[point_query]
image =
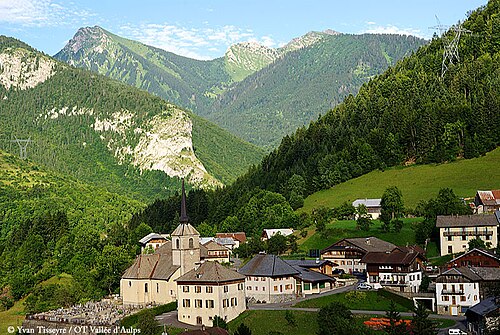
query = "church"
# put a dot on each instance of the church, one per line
(180, 270)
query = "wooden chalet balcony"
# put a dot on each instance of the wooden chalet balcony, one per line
(468, 233)
(452, 292)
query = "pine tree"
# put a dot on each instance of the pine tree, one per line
(421, 324)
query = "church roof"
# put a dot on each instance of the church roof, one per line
(184, 229)
(211, 272)
(155, 266)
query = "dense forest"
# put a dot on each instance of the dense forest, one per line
(408, 115)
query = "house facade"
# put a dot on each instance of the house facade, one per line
(210, 290)
(347, 253)
(487, 201)
(213, 251)
(152, 241)
(269, 279)
(373, 206)
(456, 231)
(457, 289)
(477, 258)
(484, 317)
(400, 269)
(312, 277)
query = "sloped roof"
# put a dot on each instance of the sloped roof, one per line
(485, 307)
(395, 257)
(213, 246)
(489, 198)
(271, 232)
(240, 236)
(367, 244)
(311, 276)
(478, 220)
(225, 240)
(204, 240)
(481, 251)
(211, 272)
(461, 271)
(155, 266)
(486, 274)
(151, 236)
(267, 266)
(184, 229)
(369, 203)
(203, 252)
(309, 263)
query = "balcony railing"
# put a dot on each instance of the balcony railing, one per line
(394, 283)
(468, 233)
(453, 292)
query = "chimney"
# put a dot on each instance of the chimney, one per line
(368, 241)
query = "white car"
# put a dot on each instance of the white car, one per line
(363, 286)
(456, 332)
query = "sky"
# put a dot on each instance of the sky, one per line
(204, 29)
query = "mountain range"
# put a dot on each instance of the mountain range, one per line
(258, 93)
(108, 133)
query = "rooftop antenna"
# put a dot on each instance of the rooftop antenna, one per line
(23, 144)
(450, 52)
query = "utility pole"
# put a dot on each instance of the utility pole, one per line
(23, 144)
(450, 52)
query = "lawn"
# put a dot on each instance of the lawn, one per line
(347, 229)
(263, 322)
(366, 300)
(417, 182)
(13, 317)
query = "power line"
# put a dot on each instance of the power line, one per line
(23, 144)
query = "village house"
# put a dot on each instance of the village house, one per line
(239, 238)
(210, 290)
(151, 242)
(311, 278)
(455, 231)
(400, 269)
(476, 257)
(268, 233)
(269, 279)
(487, 201)
(484, 317)
(213, 251)
(373, 207)
(347, 253)
(457, 289)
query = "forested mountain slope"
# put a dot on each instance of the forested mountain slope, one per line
(256, 92)
(294, 89)
(108, 133)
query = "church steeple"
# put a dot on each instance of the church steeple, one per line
(183, 218)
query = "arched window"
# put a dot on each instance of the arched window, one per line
(191, 243)
(146, 287)
(177, 244)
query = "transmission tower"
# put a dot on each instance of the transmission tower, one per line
(23, 144)
(450, 52)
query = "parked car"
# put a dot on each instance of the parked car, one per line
(363, 286)
(455, 331)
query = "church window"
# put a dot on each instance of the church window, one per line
(157, 288)
(177, 244)
(146, 287)
(129, 283)
(191, 243)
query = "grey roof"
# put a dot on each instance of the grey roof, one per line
(367, 202)
(478, 220)
(474, 273)
(311, 276)
(151, 236)
(211, 272)
(225, 240)
(487, 274)
(309, 263)
(462, 271)
(214, 246)
(155, 266)
(367, 244)
(267, 266)
(185, 229)
(485, 307)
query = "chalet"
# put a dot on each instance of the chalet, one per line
(455, 231)
(476, 257)
(239, 237)
(457, 289)
(268, 233)
(269, 279)
(210, 290)
(487, 201)
(311, 278)
(212, 251)
(400, 269)
(373, 207)
(348, 252)
(228, 242)
(484, 317)
(152, 241)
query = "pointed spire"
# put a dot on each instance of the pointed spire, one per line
(183, 218)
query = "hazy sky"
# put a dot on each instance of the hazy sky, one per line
(204, 29)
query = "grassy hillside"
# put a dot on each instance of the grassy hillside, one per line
(417, 182)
